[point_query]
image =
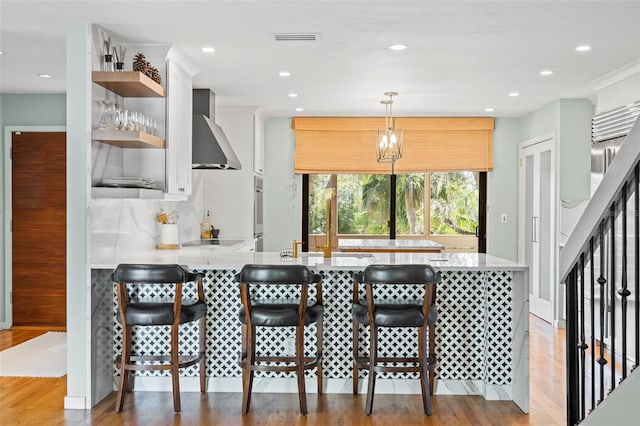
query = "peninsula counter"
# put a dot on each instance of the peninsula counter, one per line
(482, 333)
(384, 245)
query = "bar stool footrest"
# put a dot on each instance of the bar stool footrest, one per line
(184, 361)
(309, 362)
(363, 363)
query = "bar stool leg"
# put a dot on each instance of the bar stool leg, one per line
(124, 360)
(356, 337)
(432, 356)
(373, 361)
(302, 394)
(249, 337)
(175, 372)
(356, 370)
(203, 336)
(319, 337)
(424, 371)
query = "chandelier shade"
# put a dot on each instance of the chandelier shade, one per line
(389, 139)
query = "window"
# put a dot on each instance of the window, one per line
(437, 204)
(453, 203)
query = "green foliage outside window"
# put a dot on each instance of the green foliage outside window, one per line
(454, 203)
(363, 203)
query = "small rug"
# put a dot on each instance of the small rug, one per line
(42, 356)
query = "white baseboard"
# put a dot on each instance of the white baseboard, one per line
(5, 325)
(75, 403)
(338, 386)
(560, 324)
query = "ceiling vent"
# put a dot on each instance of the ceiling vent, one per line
(296, 37)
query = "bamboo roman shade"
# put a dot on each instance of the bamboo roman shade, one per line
(347, 144)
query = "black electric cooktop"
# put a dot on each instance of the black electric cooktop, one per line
(211, 242)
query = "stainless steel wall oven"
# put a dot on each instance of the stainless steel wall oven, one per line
(258, 192)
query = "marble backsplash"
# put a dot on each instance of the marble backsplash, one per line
(120, 223)
(131, 223)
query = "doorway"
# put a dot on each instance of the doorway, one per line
(37, 229)
(537, 222)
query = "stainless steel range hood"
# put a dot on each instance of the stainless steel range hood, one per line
(211, 148)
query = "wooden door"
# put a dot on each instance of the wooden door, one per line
(39, 229)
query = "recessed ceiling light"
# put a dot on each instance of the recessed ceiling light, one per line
(514, 94)
(583, 48)
(1, 52)
(488, 109)
(299, 109)
(208, 49)
(546, 72)
(397, 47)
(44, 75)
(284, 73)
(292, 95)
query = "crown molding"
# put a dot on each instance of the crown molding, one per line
(615, 76)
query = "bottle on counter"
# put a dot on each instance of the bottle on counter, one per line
(206, 227)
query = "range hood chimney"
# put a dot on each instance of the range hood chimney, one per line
(211, 148)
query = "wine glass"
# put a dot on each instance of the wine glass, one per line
(133, 121)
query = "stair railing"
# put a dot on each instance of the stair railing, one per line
(601, 279)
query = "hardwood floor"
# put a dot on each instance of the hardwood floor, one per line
(39, 401)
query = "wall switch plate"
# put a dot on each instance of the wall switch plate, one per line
(503, 218)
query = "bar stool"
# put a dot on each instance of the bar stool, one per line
(132, 312)
(279, 312)
(421, 314)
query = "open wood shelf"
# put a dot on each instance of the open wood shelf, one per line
(127, 138)
(129, 84)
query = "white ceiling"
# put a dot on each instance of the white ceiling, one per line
(462, 56)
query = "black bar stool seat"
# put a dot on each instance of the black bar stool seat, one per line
(421, 314)
(162, 313)
(279, 312)
(173, 313)
(280, 315)
(394, 314)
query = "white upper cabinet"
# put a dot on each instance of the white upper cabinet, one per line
(178, 139)
(180, 74)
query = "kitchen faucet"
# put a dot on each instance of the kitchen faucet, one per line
(326, 249)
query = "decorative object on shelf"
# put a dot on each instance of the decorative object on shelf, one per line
(107, 59)
(168, 239)
(389, 139)
(107, 115)
(142, 65)
(119, 53)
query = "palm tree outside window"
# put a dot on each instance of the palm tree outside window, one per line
(441, 206)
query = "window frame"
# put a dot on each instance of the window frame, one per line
(480, 229)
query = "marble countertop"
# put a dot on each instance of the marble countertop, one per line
(207, 257)
(379, 243)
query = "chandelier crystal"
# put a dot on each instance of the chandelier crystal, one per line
(389, 139)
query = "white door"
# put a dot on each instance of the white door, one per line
(537, 224)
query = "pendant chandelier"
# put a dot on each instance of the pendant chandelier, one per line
(389, 139)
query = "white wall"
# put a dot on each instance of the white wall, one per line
(78, 196)
(229, 193)
(282, 188)
(502, 191)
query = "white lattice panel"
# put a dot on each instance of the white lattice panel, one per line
(473, 332)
